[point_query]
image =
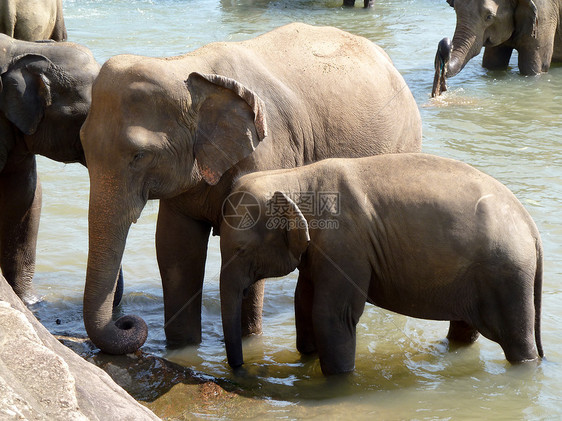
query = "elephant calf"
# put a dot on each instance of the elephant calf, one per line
(416, 234)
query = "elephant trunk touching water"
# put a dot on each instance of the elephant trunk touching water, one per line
(529, 26)
(181, 129)
(107, 243)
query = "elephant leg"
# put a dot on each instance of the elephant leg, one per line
(462, 332)
(181, 249)
(339, 301)
(304, 295)
(20, 195)
(252, 309)
(7, 18)
(496, 58)
(59, 31)
(507, 314)
(368, 3)
(535, 55)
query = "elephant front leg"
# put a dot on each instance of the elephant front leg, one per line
(339, 301)
(181, 248)
(535, 54)
(496, 58)
(20, 195)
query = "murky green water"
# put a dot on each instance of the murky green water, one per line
(504, 124)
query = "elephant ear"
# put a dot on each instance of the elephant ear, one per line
(25, 91)
(230, 122)
(296, 227)
(527, 18)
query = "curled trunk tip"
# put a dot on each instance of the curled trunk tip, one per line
(124, 336)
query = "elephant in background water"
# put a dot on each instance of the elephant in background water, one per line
(532, 27)
(33, 20)
(45, 94)
(181, 129)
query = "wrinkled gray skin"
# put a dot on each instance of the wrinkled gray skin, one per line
(32, 20)
(180, 129)
(529, 26)
(45, 94)
(416, 234)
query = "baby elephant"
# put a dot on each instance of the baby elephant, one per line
(416, 234)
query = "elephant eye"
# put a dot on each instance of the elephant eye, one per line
(140, 159)
(490, 16)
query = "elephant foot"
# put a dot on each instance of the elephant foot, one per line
(462, 332)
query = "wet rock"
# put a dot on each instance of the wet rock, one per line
(170, 390)
(41, 379)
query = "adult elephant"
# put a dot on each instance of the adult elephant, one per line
(532, 27)
(32, 20)
(45, 94)
(182, 129)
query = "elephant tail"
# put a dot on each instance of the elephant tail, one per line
(538, 299)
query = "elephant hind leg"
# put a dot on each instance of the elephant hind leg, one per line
(462, 332)
(509, 318)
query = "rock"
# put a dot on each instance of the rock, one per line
(170, 390)
(173, 391)
(41, 379)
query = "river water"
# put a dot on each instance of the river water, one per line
(502, 123)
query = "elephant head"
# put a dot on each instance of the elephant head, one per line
(47, 103)
(487, 23)
(151, 136)
(272, 247)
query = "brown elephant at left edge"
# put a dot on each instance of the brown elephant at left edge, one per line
(531, 27)
(180, 129)
(33, 20)
(45, 94)
(416, 234)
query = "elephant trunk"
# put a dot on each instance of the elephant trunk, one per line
(465, 46)
(442, 58)
(231, 311)
(107, 237)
